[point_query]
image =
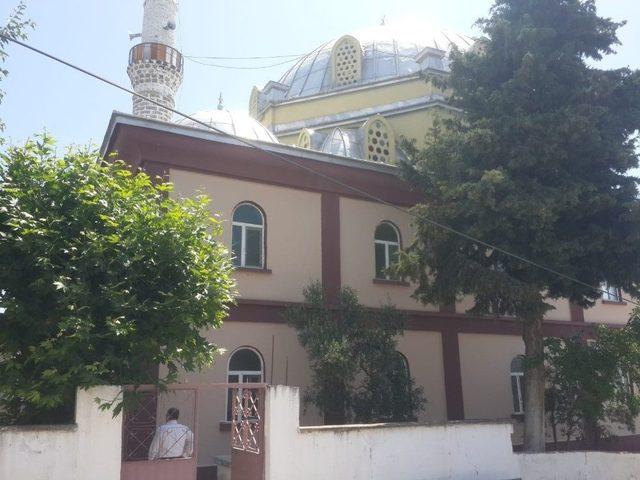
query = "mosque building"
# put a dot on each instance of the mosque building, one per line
(341, 111)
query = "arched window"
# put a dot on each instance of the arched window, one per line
(247, 237)
(403, 365)
(304, 139)
(387, 245)
(346, 61)
(517, 376)
(380, 143)
(245, 366)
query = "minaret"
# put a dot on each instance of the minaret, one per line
(155, 66)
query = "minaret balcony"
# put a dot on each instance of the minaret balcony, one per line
(147, 52)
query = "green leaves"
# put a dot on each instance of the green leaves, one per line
(593, 384)
(357, 372)
(104, 276)
(536, 163)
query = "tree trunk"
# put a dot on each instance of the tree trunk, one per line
(534, 383)
(591, 434)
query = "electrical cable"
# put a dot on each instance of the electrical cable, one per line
(324, 176)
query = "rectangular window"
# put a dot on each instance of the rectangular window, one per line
(381, 260)
(236, 245)
(253, 247)
(611, 293)
(516, 391)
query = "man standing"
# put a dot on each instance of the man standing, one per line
(172, 440)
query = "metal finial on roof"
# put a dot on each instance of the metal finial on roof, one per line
(383, 19)
(220, 105)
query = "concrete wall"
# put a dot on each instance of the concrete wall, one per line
(90, 448)
(579, 466)
(383, 451)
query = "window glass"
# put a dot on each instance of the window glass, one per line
(611, 293)
(253, 247)
(515, 392)
(246, 213)
(386, 232)
(245, 360)
(236, 244)
(380, 260)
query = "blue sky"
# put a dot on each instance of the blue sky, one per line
(94, 34)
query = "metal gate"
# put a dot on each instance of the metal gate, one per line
(143, 413)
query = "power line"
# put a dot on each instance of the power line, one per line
(236, 67)
(266, 57)
(283, 158)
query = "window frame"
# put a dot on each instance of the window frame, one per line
(241, 374)
(387, 257)
(337, 46)
(243, 237)
(519, 377)
(610, 293)
(370, 146)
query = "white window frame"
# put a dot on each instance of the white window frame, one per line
(241, 375)
(519, 376)
(611, 293)
(243, 236)
(387, 244)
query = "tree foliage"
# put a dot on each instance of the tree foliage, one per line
(592, 384)
(16, 27)
(357, 372)
(535, 163)
(103, 276)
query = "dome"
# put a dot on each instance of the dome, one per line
(234, 123)
(387, 51)
(343, 142)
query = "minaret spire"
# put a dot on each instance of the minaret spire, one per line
(155, 65)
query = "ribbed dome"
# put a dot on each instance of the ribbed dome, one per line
(387, 51)
(234, 123)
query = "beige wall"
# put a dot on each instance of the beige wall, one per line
(485, 363)
(293, 231)
(423, 351)
(358, 221)
(609, 312)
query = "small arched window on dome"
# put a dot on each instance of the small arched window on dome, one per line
(304, 139)
(346, 61)
(247, 236)
(380, 142)
(387, 246)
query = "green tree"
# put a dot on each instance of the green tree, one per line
(16, 27)
(536, 164)
(103, 276)
(593, 383)
(357, 372)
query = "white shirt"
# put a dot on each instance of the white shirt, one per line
(172, 440)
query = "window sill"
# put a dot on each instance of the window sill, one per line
(384, 281)
(252, 269)
(612, 302)
(225, 426)
(518, 417)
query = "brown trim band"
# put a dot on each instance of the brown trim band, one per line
(145, 146)
(452, 375)
(330, 246)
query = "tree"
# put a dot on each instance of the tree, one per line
(535, 164)
(103, 277)
(15, 27)
(593, 382)
(356, 370)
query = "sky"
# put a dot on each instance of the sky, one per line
(94, 34)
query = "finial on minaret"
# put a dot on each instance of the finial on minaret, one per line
(383, 20)
(220, 105)
(155, 65)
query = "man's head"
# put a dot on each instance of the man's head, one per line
(173, 413)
